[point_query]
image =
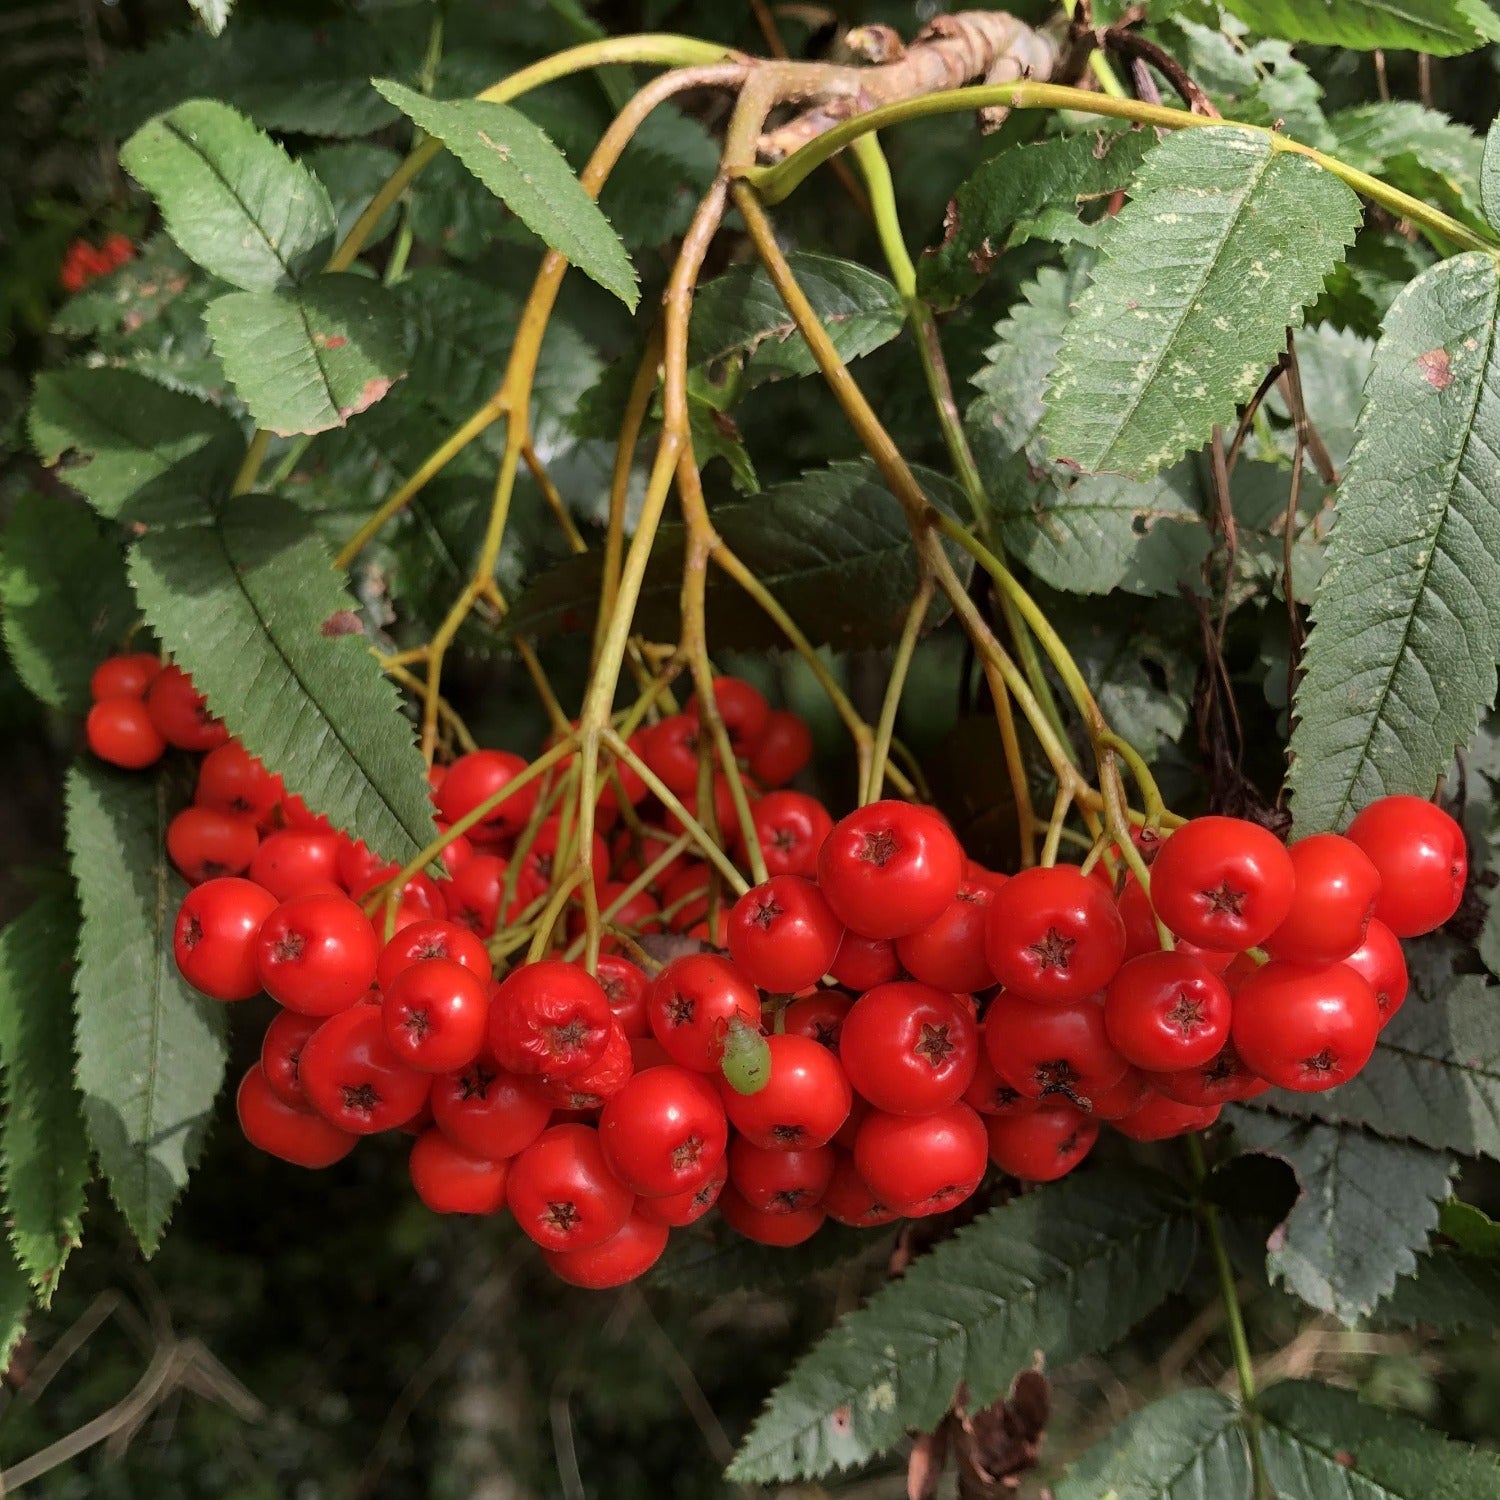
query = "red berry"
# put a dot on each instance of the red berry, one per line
(124, 676)
(861, 963)
(805, 1101)
(1044, 1145)
(1047, 1050)
(597, 1083)
(231, 780)
(950, 951)
(744, 710)
(909, 1048)
(293, 863)
(488, 1113)
(432, 938)
(923, 1164)
(664, 1133)
(476, 777)
(1337, 887)
(1159, 1118)
(351, 1076)
(819, 1017)
(435, 1015)
(786, 746)
(791, 828)
(1222, 1080)
(990, 1094)
(1053, 934)
(549, 1017)
(358, 867)
(1165, 1012)
(1305, 1027)
(889, 868)
(780, 1229)
(625, 986)
(280, 1050)
(691, 1005)
(562, 1192)
(215, 936)
(1381, 962)
(627, 1254)
(681, 1209)
(779, 1182)
(289, 1131)
(474, 892)
(1422, 859)
(316, 954)
(1122, 1098)
(671, 750)
(205, 844)
(450, 1181)
(121, 732)
(848, 1200)
(537, 865)
(180, 714)
(1141, 935)
(1223, 883)
(783, 935)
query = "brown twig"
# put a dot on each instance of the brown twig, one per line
(1137, 48)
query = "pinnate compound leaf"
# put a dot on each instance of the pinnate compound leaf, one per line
(516, 161)
(1441, 27)
(1434, 1076)
(247, 601)
(1322, 1443)
(1364, 1212)
(1417, 149)
(1067, 1270)
(1187, 1446)
(44, 1152)
(56, 630)
(1448, 1291)
(151, 1050)
(121, 440)
(1225, 241)
(232, 198)
(740, 315)
(310, 358)
(1025, 192)
(1400, 663)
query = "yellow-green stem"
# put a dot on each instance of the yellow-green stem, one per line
(916, 617)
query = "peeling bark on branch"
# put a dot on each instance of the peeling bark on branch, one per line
(950, 51)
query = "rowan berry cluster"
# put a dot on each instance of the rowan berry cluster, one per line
(83, 262)
(860, 1037)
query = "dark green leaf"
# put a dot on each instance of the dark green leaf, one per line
(1067, 1270)
(15, 1303)
(1448, 1292)
(1365, 1210)
(353, 172)
(517, 162)
(1470, 1228)
(309, 359)
(1321, 1443)
(1187, 1446)
(718, 1262)
(66, 602)
(1401, 660)
(1224, 242)
(232, 198)
(151, 1050)
(1027, 191)
(44, 1151)
(666, 169)
(832, 546)
(248, 602)
(122, 440)
(1489, 176)
(1442, 27)
(741, 316)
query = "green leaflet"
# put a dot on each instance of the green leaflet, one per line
(247, 601)
(1489, 176)
(44, 1153)
(1223, 244)
(1406, 625)
(1442, 27)
(516, 161)
(232, 198)
(1447, 1291)
(151, 1050)
(1067, 1269)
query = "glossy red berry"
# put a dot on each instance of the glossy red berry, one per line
(205, 844)
(786, 747)
(890, 868)
(1159, 1118)
(791, 827)
(626, 987)
(922, 1164)
(819, 1017)
(121, 732)
(1053, 934)
(692, 1004)
(450, 1181)
(351, 1077)
(681, 1209)
(214, 939)
(231, 780)
(1222, 1080)
(562, 1192)
(805, 1102)
(990, 1094)
(744, 710)
(779, 1182)
(861, 963)
(780, 1229)
(1305, 1027)
(180, 714)
(599, 1082)
(489, 1113)
(128, 676)
(480, 775)
(1337, 887)
(293, 863)
(665, 1132)
(848, 1200)
(783, 934)
(670, 749)
(1381, 962)
(950, 951)
(435, 1014)
(316, 954)
(474, 892)
(549, 1017)
(1043, 1145)
(290, 1131)
(1422, 859)
(432, 938)
(1165, 1012)
(1124, 1097)
(1142, 936)
(1046, 1051)
(625, 1256)
(280, 1050)
(1223, 883)
(909, 1048)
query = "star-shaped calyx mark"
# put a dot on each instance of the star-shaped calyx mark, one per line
(1186, 1015)
(934, 1045)
(1223, 899)
(878, 847)
(1053, 951)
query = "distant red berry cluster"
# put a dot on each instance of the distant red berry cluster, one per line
(84, 262)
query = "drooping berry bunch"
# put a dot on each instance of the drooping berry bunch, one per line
(859, 1037)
